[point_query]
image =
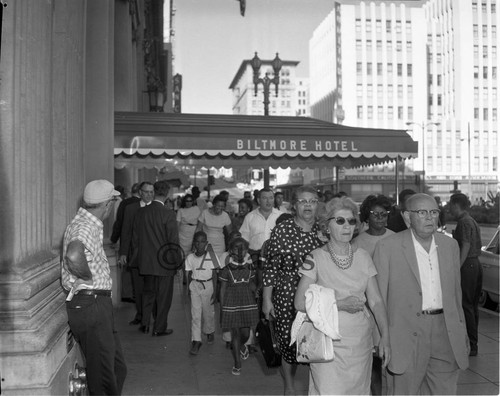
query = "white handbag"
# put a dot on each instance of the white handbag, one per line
(313, 346)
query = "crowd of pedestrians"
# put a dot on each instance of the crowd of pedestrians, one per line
(399, 301)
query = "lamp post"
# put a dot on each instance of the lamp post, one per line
(266, 81)
(423, 125)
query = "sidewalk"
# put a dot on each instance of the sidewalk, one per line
(162, 365)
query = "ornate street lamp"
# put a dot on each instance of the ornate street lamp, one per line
(266, 81)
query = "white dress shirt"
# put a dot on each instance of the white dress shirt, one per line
(256, 229)
(430, 281)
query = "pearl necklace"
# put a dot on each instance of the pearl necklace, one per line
(342, 263)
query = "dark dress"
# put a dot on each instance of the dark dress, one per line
(287, 248)
(239, 308)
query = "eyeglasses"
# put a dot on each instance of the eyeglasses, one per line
(305, 201)
(341, 220)
(189, 201)
(423, 213)
(380, 215)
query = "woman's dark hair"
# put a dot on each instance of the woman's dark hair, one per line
(303, 189)
(247, 202)
(218, 198)
(184, 198)
(370, 202)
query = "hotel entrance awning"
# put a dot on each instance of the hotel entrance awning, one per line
(254, 141)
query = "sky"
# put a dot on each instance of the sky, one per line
(212, 39)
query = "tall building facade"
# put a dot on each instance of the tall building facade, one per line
(426, 66)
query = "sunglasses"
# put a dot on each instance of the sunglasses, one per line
(379, 215)
(341, 220)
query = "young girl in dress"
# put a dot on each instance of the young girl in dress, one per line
(239, 307)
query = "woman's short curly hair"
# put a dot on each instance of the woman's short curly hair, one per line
(370, 202)
(301, 190)
(336, 204)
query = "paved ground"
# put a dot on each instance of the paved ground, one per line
(163, 366)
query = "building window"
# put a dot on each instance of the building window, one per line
(408, 28)
(494, 72)
(493, 114)
(388, 28)
(389, 68)
(359, 68)
(390, 91)
(493, 31)
(399, 46)
(398, 26)
(410, 113)
(485, 71)
(368, 27)
(439, 100)
(369, 90)
(408, 46)
(380, 112)
(430, 100)
(400, 112)
(358, 45)
(476, 113)
(390, 113)
(359, 90)
(400, 69)
(494, 94)
(476, 51)
(483, 7)
(476, 71)
(475, 29)
(485, 114)
(494, 165)
(360, 112)
(409, 69)
(358, 25)
(485, 51)
(389, 46)
(485, 31)
(379, 45)
(369, 69)
(439, 79)
(378, 25)
(476, 93)
(400, 91)
(380, 91)
(493, 8)
(379, 69)
(370, 112)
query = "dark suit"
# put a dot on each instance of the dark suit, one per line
(430, 347)
(120, 215)
(130, 211)
(154, 226)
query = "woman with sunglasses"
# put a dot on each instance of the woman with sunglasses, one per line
(290, 242)
(351, 273)
(374, 212)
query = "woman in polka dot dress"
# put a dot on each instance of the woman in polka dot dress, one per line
(290, 242)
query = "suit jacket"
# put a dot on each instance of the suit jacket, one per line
(126, 234)
(120, 215)
(154, 226)
(399, 283)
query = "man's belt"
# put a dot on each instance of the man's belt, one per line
(94, 292)
(433, 311)
(202, 281)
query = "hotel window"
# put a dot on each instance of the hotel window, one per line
(380, 91)
(408, 46)
(483, 7)
(359, 90)
(475, 30)
(369, 69)
(409, 70)
(389, 68)
(399, 46)
(485, 114)
(360, 112)
(358, 45)
(359, 68)
(369, 90)
(409, 90)
(379, 69)
(368, 25)
(448, 164)
(476, 164)
(476, 51)
(494, 93)
(494, 72)
(370, 112)
(493, 114)
(485, 94)
(485, 51)
(388, 27)
(410, 113)
(485, 30)
(476, 71)
(493, 31)
(493, 8)
(476, 113)
(439, 80)
(400, 69)
(378, 25)
(400, 91)
(439, 100)
(476, 93)
(358, 25)
(398, 26)
(380, 112)
(390, 113)
(400, 112)
(389, 46)
(494, 165)
(379, 44)
(485, 71)
(390, 91)
(494, 51)
(408, 28)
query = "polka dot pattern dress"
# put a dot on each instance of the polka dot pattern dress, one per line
(288, 246)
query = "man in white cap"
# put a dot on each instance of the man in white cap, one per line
(85, 274)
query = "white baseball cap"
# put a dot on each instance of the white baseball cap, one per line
(98, 191)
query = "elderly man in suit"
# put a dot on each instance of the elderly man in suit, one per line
(154, 226)
(419, 279)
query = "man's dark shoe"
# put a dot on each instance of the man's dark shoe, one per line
(210, 338)
(195, 347)
(134, 322)
(144, 329)
(162, 333)
(128, 300)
